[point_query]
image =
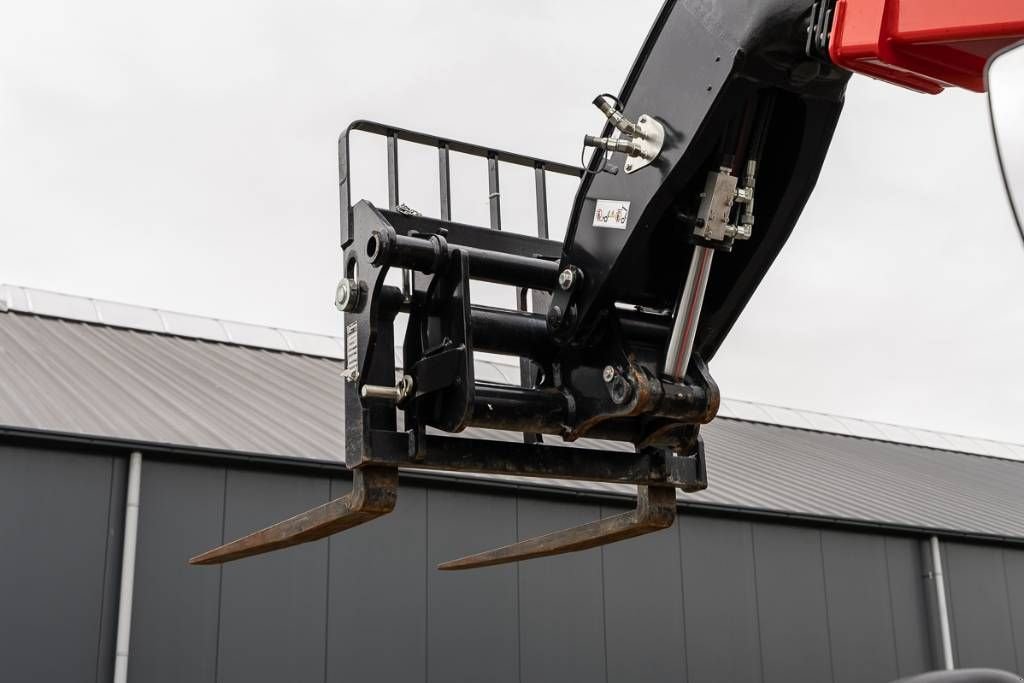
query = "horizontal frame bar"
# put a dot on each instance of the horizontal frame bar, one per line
(515, 458)
(476, 237)
(463, 147)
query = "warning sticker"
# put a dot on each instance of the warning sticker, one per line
(352, 346)
(611, 213)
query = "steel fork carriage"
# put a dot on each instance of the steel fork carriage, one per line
(606, 386)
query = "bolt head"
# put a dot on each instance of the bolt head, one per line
(343, 294)
(346, 297)
(566, 279)
(555, 316)
(620, 391)
(609, 373)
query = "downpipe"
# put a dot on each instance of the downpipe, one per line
(943, 609)
(124, 603)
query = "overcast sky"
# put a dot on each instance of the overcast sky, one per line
(182, 155)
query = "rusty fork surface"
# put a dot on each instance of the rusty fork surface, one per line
(373, 494)
(655, 510)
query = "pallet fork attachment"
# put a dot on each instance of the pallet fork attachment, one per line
(612, 327)
(612, 330)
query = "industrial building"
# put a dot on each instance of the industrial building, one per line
(811, 557)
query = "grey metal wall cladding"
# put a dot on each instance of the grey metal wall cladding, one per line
(561, 606)
(273, 609)
(377, 597)
(985, 585)
(88, 379)
(644, 608)
(176, 609)
(1013, 562)
(910, 597)
(791, 605)
(472, 617)
(713, 599)
(723, 642)
(60, 548)
(859, 607)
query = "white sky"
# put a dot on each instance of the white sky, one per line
(182, 155)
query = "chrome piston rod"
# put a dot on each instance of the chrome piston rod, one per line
(684, 327)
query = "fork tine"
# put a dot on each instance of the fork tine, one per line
(655, 509)
(373, 494)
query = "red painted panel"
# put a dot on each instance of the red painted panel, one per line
(924, 45)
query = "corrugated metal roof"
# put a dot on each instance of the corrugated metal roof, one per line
(94, 379)
(144, 318)
(128, 316)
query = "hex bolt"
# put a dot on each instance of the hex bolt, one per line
(346, 297)
(619, 387)
(566, 279)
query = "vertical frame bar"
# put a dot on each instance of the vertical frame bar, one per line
(344, 189)
(393, 171)
(394, 201)
(541, 184)
(527, 368)
(494, 190)
(445, 173)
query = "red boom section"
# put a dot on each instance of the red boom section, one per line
(924, 45)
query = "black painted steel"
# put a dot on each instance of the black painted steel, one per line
(730, 55)
(474, 236)
(591, 355)
(393, 198)
(445, 181)
(494, 191)
(503, 406)
(541, 192)
(386, 247)
(511, 332)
